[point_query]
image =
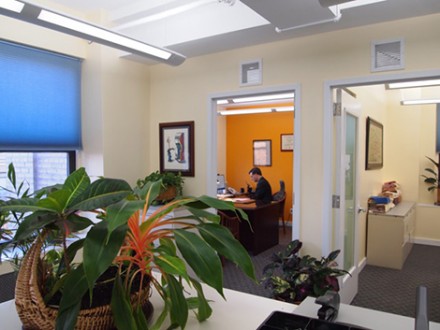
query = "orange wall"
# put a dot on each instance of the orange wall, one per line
(241, 130)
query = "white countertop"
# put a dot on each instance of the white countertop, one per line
(240, 311)
(246, 312)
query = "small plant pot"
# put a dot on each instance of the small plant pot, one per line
(169, 194)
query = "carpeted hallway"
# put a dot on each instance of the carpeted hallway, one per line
(394, 291)
(383, 289)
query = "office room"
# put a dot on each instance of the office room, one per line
(124, 101)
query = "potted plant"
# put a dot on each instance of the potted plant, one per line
(292, 278)
(172, 185)
(120, 252)
(9, 221)
(433, 179)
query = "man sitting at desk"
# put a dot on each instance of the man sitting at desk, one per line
(263, 191)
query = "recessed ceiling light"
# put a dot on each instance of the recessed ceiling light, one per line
(254, 111)
(420, 102)
(411, 84)
(264, 98)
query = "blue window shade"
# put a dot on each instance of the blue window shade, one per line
(40, 99)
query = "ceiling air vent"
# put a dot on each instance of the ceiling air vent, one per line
(387, 55)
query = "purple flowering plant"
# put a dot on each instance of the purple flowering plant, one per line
(292, 278)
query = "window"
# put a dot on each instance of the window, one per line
(40, 111)
(35, 169)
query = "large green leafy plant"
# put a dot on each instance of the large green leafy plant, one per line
(292, 278)
(432, 178)
(123, 238)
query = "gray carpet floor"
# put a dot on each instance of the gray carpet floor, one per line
(383, 289)
(394, 291)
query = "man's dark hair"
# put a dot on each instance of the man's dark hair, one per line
(255, 170)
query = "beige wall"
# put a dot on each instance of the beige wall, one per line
(307, 61)
(124, 102)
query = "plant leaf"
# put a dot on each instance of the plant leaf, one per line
(139, 316)
(99, 252)
(204, 310)
(71, 251)
(119, 213)
(34, 222)
(178, 304)
(121, 307)
(100, 194)
(77, 223)
(11, 175)
(24, 205)
(221, 239)
(76, 184)
(74, 289)
(66, 320)
(201, 257)
(171, 265)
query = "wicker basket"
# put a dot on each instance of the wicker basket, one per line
(33, 312)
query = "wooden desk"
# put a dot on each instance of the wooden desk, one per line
(261, 233)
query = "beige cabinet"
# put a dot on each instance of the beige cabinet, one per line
(390, 236)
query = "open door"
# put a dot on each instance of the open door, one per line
(345, 189)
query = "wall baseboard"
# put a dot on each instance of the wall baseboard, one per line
(426, 241)
(362, 264)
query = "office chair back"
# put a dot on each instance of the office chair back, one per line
(280, 197)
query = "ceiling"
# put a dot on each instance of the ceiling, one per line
(214, 25)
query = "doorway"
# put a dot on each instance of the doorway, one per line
(330, 227)
(213, 154)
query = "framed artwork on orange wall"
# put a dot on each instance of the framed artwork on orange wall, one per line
(286, 142)
(262, 152)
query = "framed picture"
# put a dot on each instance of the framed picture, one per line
(374, 147)
(177, 147)
(286, 142)
(262, 152)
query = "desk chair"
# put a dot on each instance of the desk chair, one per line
(280, 197)
(232, 222)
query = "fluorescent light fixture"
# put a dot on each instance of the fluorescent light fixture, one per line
(420, 102)
(345, 4)
(15, 6)
(72, 26)
(357, 3)
(264, 98)
(164, 14)
(97, 32)
(253, 111)
(411, 84)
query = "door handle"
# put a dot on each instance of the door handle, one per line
(361, 209)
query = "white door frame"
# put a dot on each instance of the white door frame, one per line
(328, 136)
(352, 107)
(211, 152)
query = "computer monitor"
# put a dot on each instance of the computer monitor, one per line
(221, 183)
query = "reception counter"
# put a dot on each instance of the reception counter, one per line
(239, 311)
(247, 312)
